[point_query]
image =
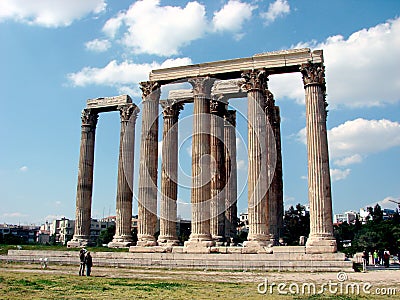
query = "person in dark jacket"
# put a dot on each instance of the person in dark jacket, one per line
(82, 262)
(89, 263)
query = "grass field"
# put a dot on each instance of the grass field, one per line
(30, 282)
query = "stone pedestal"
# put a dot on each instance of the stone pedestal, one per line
(321, 239)
(200, 193)
(169, 177)
(85, 180)
(217, 222)
(123, 222)
(147, 196)
(255, 85)
(231, 174)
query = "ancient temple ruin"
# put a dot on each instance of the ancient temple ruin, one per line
(213, 191)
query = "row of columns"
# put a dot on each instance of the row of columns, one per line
(208, 195)
(123, 235)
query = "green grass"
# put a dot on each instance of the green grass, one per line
(42, 285)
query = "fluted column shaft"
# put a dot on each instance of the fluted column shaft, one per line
(85, 178)
(147, 196)
(230, 173)
(217, 221)
(319, 184)
(201, 193)
(277, 181)
(169, 176)
(123, 222)
(255, 84)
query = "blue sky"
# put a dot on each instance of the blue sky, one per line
(56, 54)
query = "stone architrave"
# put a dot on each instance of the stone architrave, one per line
(231, 174)
(217, 209)
(85, 180)
(147, 196)
(123, 222)
(255, 84)
(169, 176)
(321, 239)
(200, 238)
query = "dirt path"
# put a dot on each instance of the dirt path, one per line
(375, 278)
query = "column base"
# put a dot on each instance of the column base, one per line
(198, 246)
(317, 245)
(219, 240)
(168, 241)
(79, 242)
(260, 247)
(146, 241)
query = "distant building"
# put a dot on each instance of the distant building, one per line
(349, 217)
(26, 234)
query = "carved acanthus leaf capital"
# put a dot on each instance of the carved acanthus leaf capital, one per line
(128, 112)
(217, 107)
(150, 90)
(171, 109)
(254, 80)
(89, 118)
(202, 85)
(313, 74)
(230, 117)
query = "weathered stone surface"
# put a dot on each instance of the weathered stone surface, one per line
(104, 102)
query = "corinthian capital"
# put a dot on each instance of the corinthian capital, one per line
(313, 74)
(89, 118)
(150, 90)
(202, 85)
(254, 80)
(230, 118)
(171, 109)
(128, 112)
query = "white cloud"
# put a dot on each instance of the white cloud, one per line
(49, 13)
(337, 174)
(123, 76)
(279, 8)
(361, 71)
(50, 218)
(349, 160)
(14, 215)
(160, 30)
(241, 164)
(362, 137)
(351, 141)
(97, 45)
(232, 16)
(24, 169)
(386, 203)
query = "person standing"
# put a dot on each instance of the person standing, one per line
(89, 263)
(82, 262)
(376, 258)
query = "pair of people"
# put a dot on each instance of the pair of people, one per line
(85, 261)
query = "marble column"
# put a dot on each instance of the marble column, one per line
(255, 83)
(123, 222)
(169, 177)
(321, 238)
(275, 193)
(231, 174)
(217, 209)
(200, 237)
(147, 196)
(278, 178)
(85, 180)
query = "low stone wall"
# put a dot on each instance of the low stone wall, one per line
(291, 259)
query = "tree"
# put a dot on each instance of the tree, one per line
(106, 236)
(296, 223)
